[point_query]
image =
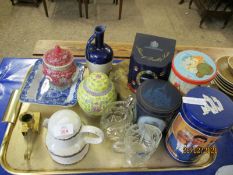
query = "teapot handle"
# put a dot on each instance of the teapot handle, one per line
(92, 130)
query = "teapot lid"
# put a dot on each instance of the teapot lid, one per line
(97, 82)
(64, 124)
(58, 57)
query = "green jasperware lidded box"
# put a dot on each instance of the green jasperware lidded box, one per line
(95, 92)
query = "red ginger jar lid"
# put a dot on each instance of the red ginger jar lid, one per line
(58, 57)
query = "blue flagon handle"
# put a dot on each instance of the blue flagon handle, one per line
(89, 42)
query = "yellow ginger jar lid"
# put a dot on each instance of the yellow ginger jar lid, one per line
(97, 82)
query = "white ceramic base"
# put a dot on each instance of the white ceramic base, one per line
(71, 160)
(104, 68)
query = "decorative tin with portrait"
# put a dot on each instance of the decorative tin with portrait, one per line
(204, 116)
(150, 59)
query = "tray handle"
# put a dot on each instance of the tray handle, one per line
(13, 108)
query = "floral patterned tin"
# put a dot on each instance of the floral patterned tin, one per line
(58, 67)
(191, 68)
(95, 93)
(157, 102)
(204, 116)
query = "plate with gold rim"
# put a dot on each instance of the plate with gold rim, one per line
(223, 70)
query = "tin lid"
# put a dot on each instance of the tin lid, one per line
(58, 57)
(158, 97)
(97, 82)
(153, 51)
(194, 67)
(215, 116)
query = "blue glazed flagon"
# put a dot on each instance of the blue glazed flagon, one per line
(98, 54)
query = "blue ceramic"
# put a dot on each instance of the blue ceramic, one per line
(157, 99)
(98, 54)
(38, 89)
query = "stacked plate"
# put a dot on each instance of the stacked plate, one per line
(224, 78)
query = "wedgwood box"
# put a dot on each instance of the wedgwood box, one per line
(150, 59)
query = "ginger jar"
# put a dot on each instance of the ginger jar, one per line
(95, 93)
(59, 67)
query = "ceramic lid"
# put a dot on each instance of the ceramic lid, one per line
(158, 96)
(214, 116)
(97, 82)
(58, 57)
(64, 124)
(194, 67)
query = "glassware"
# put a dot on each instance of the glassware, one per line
(141, 141)
(116, 118)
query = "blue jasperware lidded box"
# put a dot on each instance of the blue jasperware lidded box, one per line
(151, 58)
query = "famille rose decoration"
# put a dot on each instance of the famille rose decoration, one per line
(58, 67)
(95, 93)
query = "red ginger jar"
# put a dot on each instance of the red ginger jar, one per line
(58, 67)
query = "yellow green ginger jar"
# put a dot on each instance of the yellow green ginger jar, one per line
(95, 92)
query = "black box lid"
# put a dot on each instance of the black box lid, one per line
(152, 50)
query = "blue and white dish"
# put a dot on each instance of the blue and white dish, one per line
(38, 89)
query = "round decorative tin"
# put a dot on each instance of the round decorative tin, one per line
(157, 102)
(204, 116)
(191, 68)
(95, 93)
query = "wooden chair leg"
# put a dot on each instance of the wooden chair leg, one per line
(181, 2)
(202, 20)
(190, 3)
(45, 8)
(226, 22)
(12, 2)
(120, 9)
(86, 7)
(36, 3)
(80, 8)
